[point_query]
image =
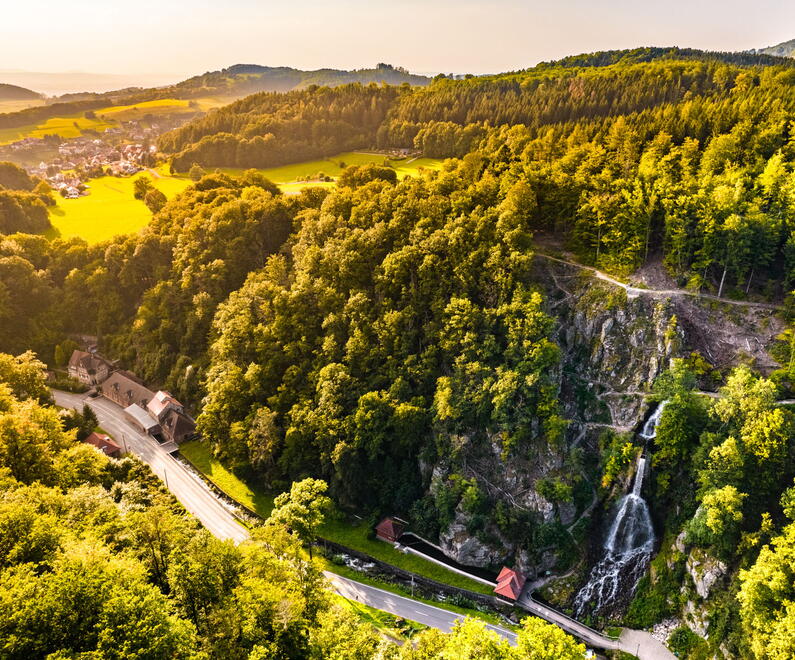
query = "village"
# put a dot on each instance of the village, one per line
(67, 164)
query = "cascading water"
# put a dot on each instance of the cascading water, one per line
(628, 545)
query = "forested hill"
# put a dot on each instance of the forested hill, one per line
(244, 79)
(15, 93)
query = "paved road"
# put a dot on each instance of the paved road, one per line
(407, 608)
(189, 489)
(197, 498)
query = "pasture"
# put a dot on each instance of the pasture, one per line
(139, 110)
(289, 177)
(109, 209)
(16, 106)
(70, 126)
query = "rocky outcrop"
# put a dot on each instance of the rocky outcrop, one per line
(705, 571)
(612, 350)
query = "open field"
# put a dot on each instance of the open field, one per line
(288, 176)
(139, 110)
(109, 210)
(69, 126)
(16, 106)
(351, 535)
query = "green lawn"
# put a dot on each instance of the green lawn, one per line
(199, 454)
(109, 209)
(342, 531)
(69, 126)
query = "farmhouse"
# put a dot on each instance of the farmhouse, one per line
(509, 583)
(105, 444)
(88, 368)
(122, 389)
(170, 414)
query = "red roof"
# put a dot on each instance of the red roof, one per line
(509, 583)
(389, 529)
(103, 442)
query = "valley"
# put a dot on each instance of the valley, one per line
(512, 352)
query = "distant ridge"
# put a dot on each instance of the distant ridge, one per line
(244, 79)
(15, 93)
(784, 49)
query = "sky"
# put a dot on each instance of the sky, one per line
(176, 38)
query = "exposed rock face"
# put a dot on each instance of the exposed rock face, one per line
(696, 619)
(705, 571)
(466, 549)
(612, 349)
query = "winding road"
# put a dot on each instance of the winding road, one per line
(196, 497)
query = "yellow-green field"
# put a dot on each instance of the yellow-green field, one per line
(71, 126)
(288, 176)
(109, 209)
(67, 127)
(139, 110)
(16, 106)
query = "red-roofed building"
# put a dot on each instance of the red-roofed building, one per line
(389, 530)
(103, 442)
(509, 583)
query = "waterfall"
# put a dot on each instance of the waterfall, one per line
(627, 547)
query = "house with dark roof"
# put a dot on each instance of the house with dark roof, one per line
(509, 583)
(389, 530)
(175, 424)
(88, 368)
(125, 391)
(104, 444)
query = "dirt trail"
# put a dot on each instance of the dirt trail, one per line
(640, 291)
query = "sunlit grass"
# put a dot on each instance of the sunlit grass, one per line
(109, 210)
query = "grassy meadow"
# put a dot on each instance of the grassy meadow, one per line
(70, 126)
(109, 209)
(288, 177)
(16, 106)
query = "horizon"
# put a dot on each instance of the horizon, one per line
(171, 41)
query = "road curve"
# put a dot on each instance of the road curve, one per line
(435, 617)
(188, 488)
(198, 499)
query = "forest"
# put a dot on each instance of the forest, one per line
(98, 560)
(369, 334)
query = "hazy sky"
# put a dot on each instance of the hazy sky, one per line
(183, 37)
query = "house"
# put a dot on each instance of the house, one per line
(88, 368)
(389, 530)
(123, 390)
(105, 444)
(509, 583)
(175, 424)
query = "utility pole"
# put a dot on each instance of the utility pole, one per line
(165, 476)
(124, 442)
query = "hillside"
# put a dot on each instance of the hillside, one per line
(580, 322)
(784, 49)
(15, 93)
(244, 79)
